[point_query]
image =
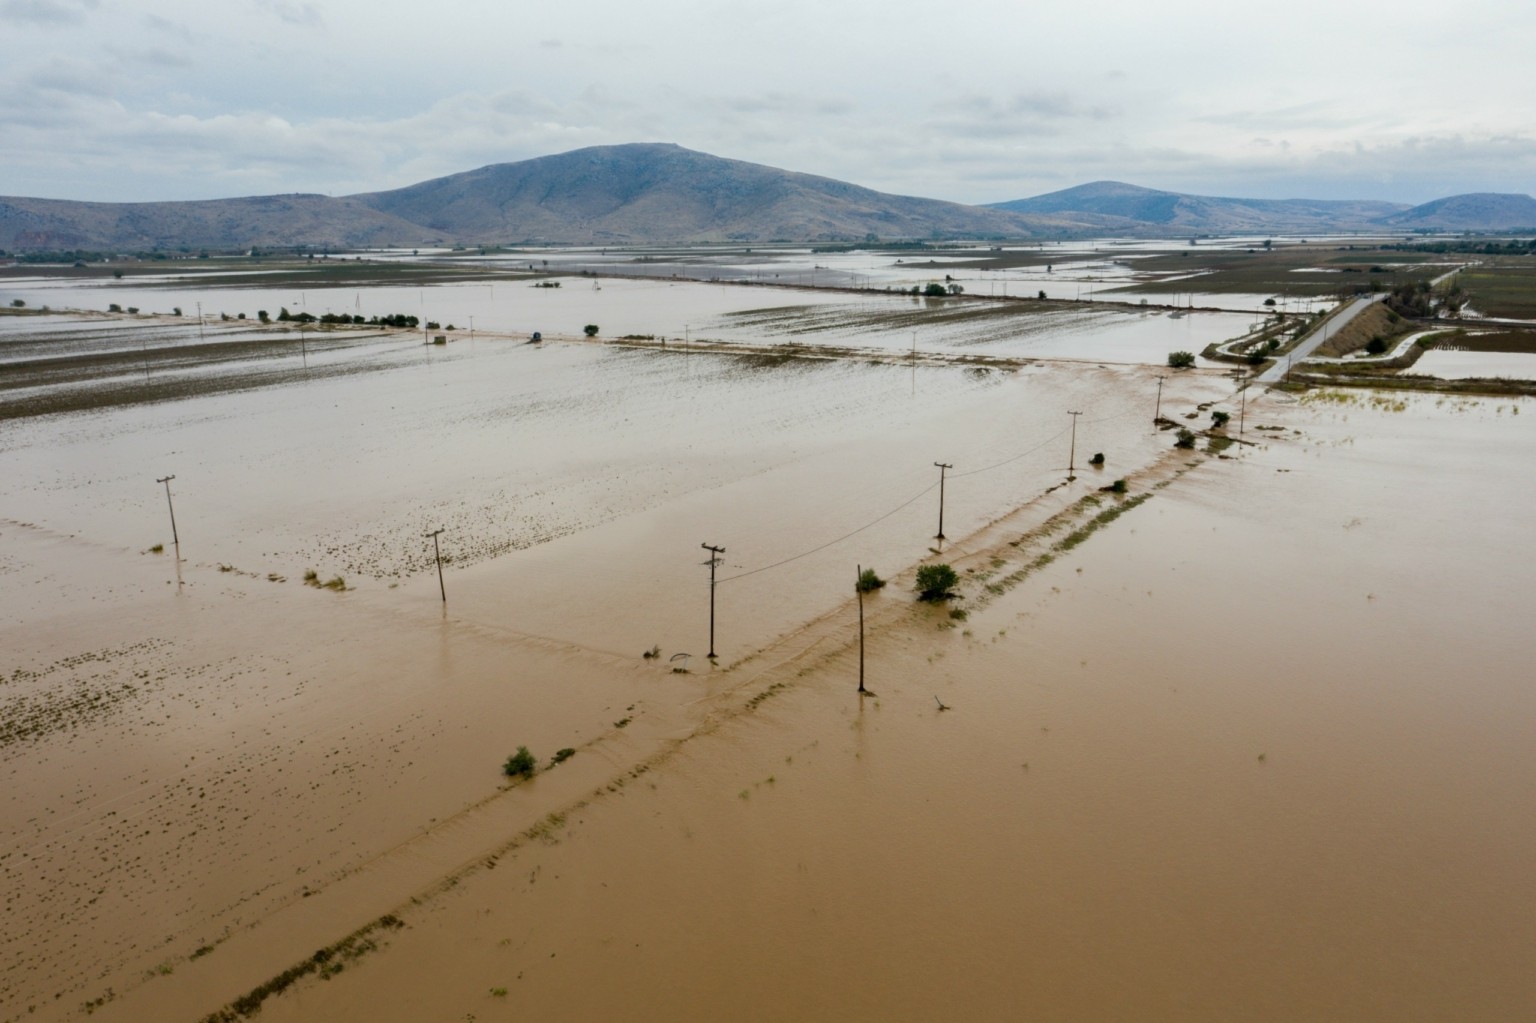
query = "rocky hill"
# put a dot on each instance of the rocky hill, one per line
(660, 193)
(1476, 211)
(221, 224)
(1138, 209)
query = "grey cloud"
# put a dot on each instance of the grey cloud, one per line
(71, 78)
(303, 13)
(156, 56)
(46, 12)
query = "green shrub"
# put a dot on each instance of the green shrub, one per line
(520, 764)
(1186, 439)
(1117, 487)
(1181, 360)
(1097, 459)
(934, 582)
(868, 581)
(934, 290)
(561, 756)
(590, 330)
(1376, 346)
(1220, 418)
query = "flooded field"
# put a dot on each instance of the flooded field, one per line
(1239, 717)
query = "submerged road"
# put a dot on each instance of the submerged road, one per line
(1332, 325)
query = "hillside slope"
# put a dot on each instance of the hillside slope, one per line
(1177, 213)
(271, 220)
(647, 192)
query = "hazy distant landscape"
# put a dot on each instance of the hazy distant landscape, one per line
(651, 194)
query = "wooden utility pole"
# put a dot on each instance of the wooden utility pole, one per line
(174, 538)
(1242, 414)
(1072, 454)
(1157, 412)
(713, 562)
(438, 554)
(858, 587)
(943, 468)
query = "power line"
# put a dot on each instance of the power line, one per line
(816, 550)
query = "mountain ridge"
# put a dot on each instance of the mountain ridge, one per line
(658, 193)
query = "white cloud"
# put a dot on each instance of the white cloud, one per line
(988, 100)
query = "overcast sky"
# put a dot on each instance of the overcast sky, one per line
(968, 100)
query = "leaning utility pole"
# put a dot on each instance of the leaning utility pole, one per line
(713, 562)
(943, 468)
(174, 538)
(438, 554)
(1157, 412)
(1072, 455)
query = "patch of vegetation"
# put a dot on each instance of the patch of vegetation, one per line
(521, 764)
(935, 582)
(590, 330)
(1097, 459)
(327, 962)
(868, 581)
(561, 756)
(757, 700)
(1186, 439)
(1181, 360)
(1219, 419)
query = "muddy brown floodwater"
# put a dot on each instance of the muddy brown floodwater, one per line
(1250, 742)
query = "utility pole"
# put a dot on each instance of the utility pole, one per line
(943, 468)
(1157, 412)
(714, 560)
(859, 589)
(174, 538)
(1242, 414)
(438, 554)
(200, 335)
(303, 346)
(1072, 455)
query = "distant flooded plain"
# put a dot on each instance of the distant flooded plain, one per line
(1241, 742)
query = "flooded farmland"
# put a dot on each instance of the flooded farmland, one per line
(1246, 740)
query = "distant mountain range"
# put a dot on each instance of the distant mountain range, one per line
(1134, 209)
(658, 193)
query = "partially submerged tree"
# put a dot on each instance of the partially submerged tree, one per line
(934, 582)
